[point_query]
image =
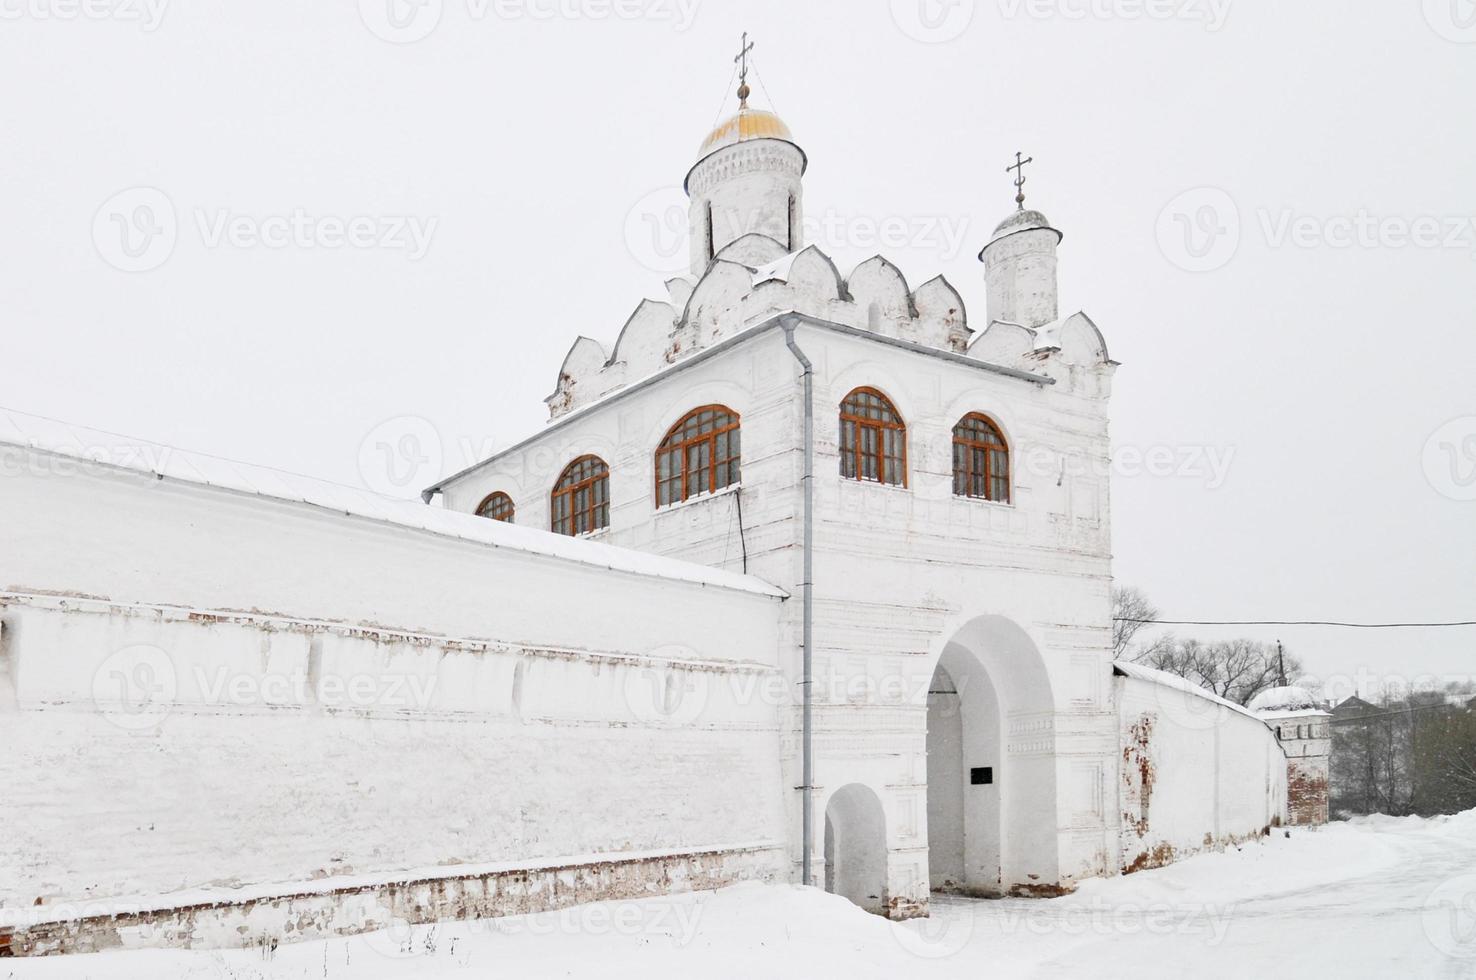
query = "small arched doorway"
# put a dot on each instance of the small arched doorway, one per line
(856, 847)
(992, 821)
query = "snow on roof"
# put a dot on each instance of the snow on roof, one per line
(1165, 679)
(1283, 699)
(778, 269)
(124, 452)
(1299, 713)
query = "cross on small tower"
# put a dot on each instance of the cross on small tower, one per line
(741, 59)
(1019, 167)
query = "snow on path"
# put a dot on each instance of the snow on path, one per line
(1373, 898)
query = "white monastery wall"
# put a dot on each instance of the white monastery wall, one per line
(1198, 773)
(207, 694)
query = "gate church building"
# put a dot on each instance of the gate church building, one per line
(932, 498)
(807, 578)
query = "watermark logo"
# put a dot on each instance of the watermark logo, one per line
(400, 456)
(1365, 230)
(675, 920)
(399, 940)
(1449, 459)
(408, 21)
(400, 21)
(1188, 707)
(933, 21)
(667, 692)
(1449, 917)
(945, 931)
(1454, 20)
(358, 691)
(1207, 464)
(1199, 231)
(656, 231)
(147, 14)
(135, 687)
(84, 458)
(410, 234)
(1098, 917)
(135, 230)
(1211, 13)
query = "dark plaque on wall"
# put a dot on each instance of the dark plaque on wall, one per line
(981, 775)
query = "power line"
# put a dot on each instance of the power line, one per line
(1390, 713)
(1289, 622)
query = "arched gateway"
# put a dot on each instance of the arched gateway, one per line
(856, 847)
(991, 812)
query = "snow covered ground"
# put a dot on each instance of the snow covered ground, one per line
(1373, 898)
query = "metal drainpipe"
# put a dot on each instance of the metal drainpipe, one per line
(807, 751)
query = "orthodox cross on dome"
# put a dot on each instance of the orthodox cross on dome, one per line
(741, 60)
(1019, 168)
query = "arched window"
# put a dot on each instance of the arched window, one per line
(581, 499)
(873, 439)
(981, 459)
(498, 506)
(699, 455)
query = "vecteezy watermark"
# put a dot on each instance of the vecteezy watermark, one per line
(1101, 918)
(657, 234)
(1364, 230)
(656, 231)
(408, 21)
(1200, 230)
(137, 229)
(1449, 459)
(410, 234)
(1454, 20)
(400, 21)
(135, 687)
(675, 919)
(1204, 463)
(22, 461)
(932, 21)
(400, 456)
(945, 931)
(1210, 13)
(138, 686)
(360, 690)
(147, 14)
(671, 690)
(1449, 917)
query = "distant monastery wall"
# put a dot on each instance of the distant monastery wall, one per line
(1198, 773)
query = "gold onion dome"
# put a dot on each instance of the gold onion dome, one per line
(745, 124)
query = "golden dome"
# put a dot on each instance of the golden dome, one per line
(746, 124)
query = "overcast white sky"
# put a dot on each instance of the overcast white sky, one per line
(527, 141)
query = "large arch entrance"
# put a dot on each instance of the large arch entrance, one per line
(856, 847)
(992, 822)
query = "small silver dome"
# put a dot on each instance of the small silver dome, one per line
(1022, 221)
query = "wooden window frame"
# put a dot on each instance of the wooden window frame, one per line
(672, 445)
(595, 513)
(497, 506)
(880, 427)
(969, 474)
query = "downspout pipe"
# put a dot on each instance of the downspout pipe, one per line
(807, 485)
